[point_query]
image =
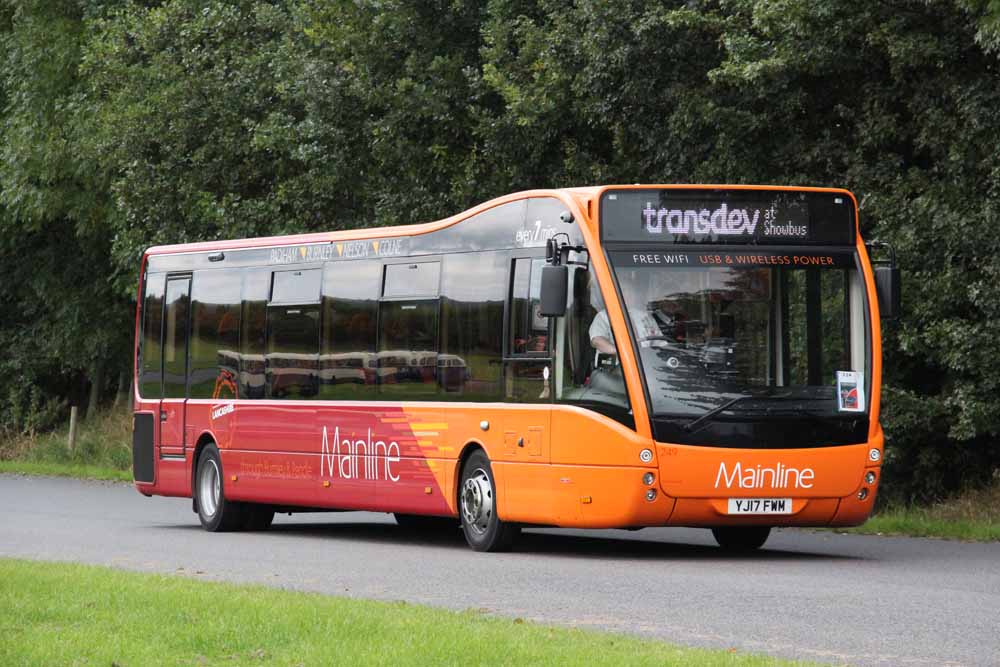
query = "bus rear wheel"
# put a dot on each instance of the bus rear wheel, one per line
(215, 512)
(741, 538)
(484, 530)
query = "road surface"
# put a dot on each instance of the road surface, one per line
(819, 596)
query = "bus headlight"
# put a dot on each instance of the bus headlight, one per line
(648, 478)
(862, 494)
(651, 495)
(870, 477)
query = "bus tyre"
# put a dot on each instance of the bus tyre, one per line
(216, 513)
(741, 538)
(422, 522)
(484, 530)
(257, 517)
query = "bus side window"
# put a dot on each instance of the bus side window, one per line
(348, 364)
(176, 316)
(215, 333)
(528, 369)
(472, 294)
(253, 333)
(408, 331)
(151, 369)
(293, 322)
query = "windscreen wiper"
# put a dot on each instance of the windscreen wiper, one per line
(725, 406)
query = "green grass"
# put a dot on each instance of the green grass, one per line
(65, 470)
(58, 614)
(973, 515)
(103, 449)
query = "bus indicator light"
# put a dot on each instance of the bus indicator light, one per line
(646, 455)
(875, 455)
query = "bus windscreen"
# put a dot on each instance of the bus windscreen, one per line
(747, 336)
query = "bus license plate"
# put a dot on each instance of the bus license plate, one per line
(760, 506)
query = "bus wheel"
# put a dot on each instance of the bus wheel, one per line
(216, 513)
(257, 517)
(484, 531)
(741, 538)
(421, 522)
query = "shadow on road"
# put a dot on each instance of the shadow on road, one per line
(540, 541)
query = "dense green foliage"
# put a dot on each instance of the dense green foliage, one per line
(126, 124)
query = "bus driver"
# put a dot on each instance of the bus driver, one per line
(600, 329)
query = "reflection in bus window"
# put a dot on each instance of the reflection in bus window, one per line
(215, 331)
(175, 337)
(151, 378)
(471, 320)
(253, 333)
(292, 351)
(584, 377)
(348, 364)
(407, 350)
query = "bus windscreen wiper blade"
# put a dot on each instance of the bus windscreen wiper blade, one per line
(714, 411)
(725, 406)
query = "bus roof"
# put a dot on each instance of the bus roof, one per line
(582, 195)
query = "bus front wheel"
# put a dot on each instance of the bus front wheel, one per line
(215, 512)
(741, 538)
(484, 530)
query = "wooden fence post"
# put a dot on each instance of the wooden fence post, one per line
(72, 428)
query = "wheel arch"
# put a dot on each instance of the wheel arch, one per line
(204, 440)
(470, 447)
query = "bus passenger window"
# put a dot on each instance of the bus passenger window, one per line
(529, 330)
(215, 331)
(472, 294)
(407, 350)
(175, 337)
(253, 339)
(151, 378)
(528, 373)
(293, 321)
(348, 363)
(408, 332)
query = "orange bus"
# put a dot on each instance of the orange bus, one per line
(615, 356)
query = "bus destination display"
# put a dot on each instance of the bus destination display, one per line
(727, 216)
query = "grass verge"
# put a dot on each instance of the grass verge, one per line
(73, 614)
(973, 515)
(65, 470)
(103, 450)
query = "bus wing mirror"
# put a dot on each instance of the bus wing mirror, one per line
(888, 289)
(555, 280)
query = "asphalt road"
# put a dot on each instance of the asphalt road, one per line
(808, 595)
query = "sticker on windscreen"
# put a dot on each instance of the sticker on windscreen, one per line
(850, 391)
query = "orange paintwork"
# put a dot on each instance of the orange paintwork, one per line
(576, 468)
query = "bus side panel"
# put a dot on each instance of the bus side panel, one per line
(580, 496)
(346, 457)
(588, 438)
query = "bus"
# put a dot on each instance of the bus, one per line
(598, 357)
